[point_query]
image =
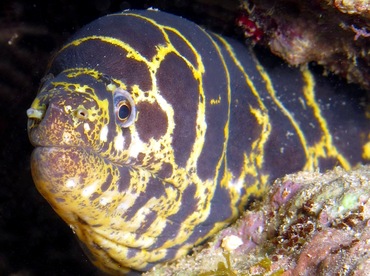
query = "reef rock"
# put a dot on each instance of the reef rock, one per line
(308, 224)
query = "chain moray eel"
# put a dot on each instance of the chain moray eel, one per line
(151, 134)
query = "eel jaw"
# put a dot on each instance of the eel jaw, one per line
(77, 184)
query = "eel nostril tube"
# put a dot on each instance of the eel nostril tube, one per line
(37, 114)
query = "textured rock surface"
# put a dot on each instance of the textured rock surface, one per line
(333, 33)
(308, 224)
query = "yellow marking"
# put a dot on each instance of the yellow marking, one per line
(253, 162)
(215, 101)
(257, 153)
(366, 150)
(131, 52)
(204, 189)
(325, 147)
(197, 73)
(78, 71)
(36, 105)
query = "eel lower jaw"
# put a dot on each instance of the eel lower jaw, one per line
(71, 180)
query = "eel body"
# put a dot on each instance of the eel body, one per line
(152, 134)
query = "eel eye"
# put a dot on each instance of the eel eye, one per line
(124, 111)
(124, 108)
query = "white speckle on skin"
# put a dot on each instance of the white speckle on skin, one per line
(70, 183)
(89, 190)
(67, 109)
(288, 134)
(303, 103)
(126, 204)
(86, 127)
(66, 137)
(136, 147)
(123, 207)
(119, 142)
(104, 133)
(104, 201)
(237, 185)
